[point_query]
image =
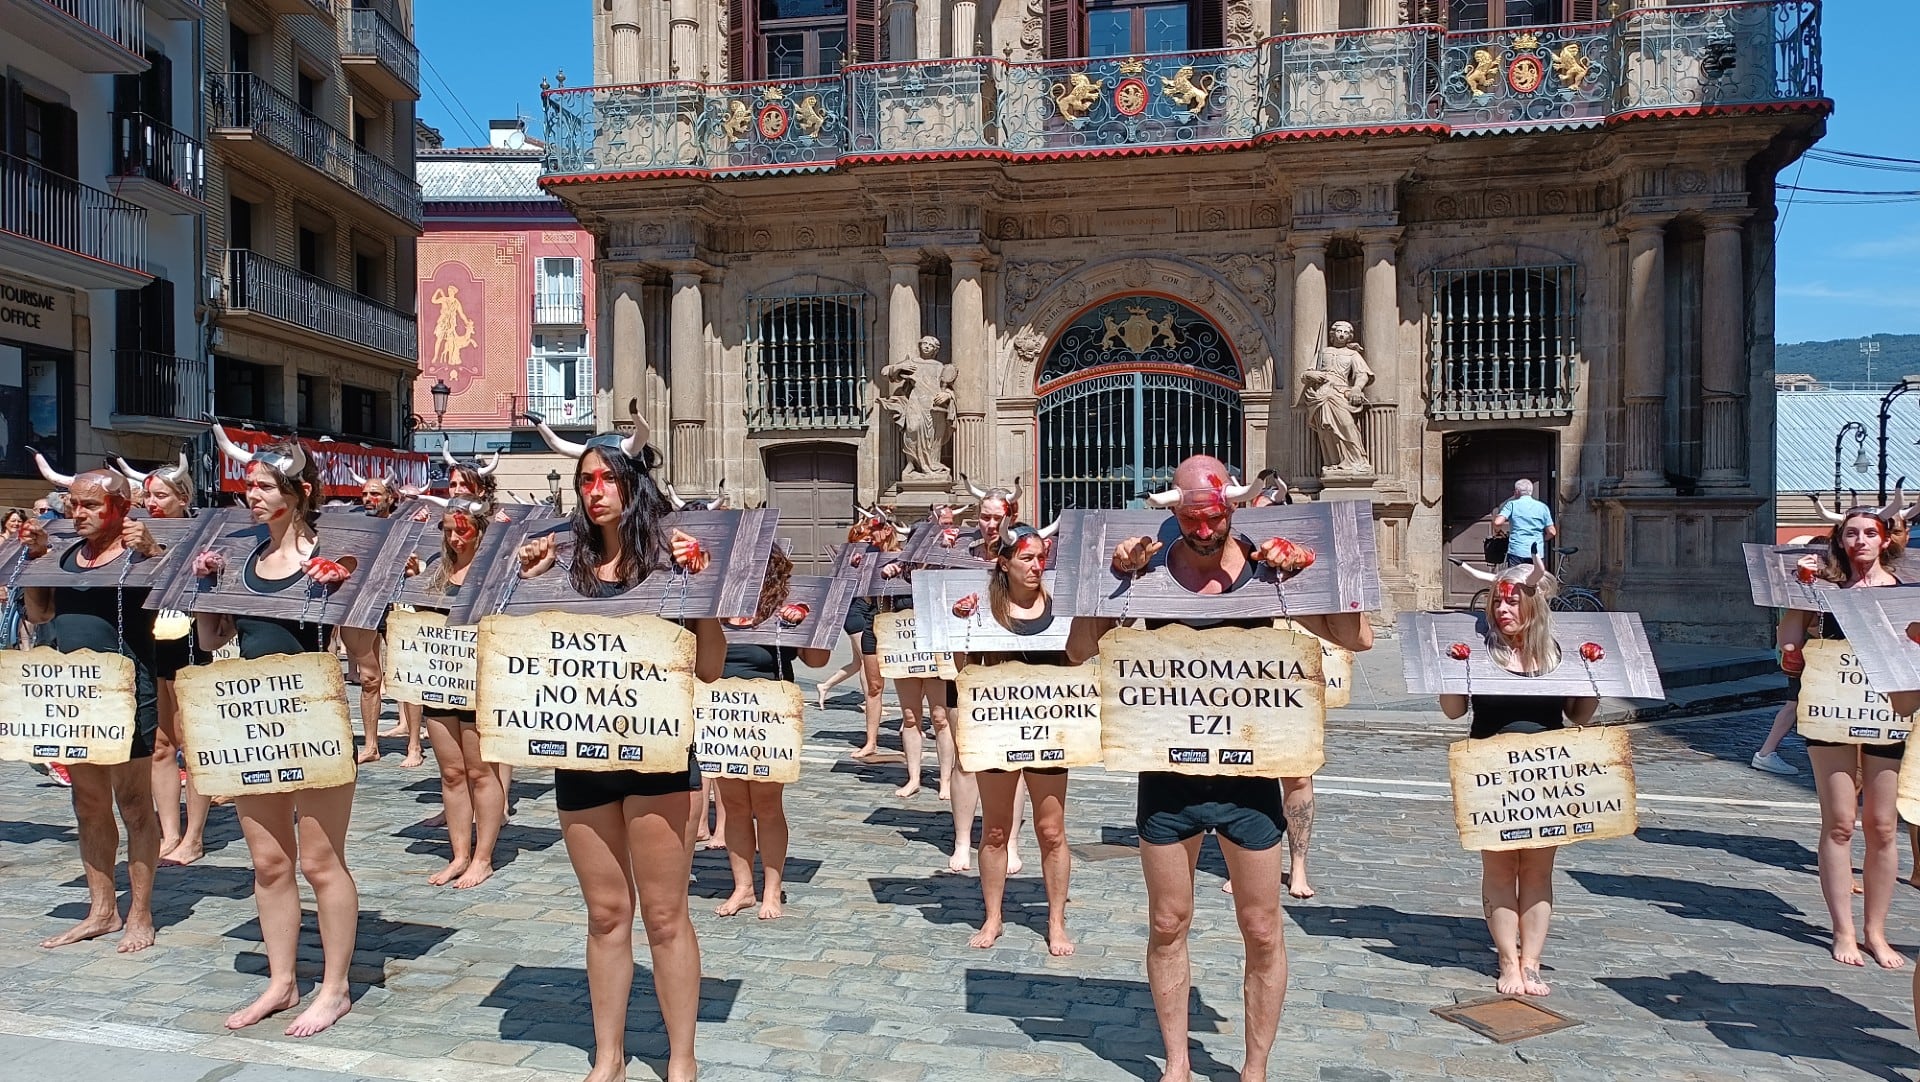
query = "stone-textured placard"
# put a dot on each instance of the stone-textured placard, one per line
(66, 708)
(737, 541)
(749, 730)
(1336, 666)
(275, 725)
(175, 535)
(563, 689)
(377, 548)
(1875, 621)
(1625, 669)
(1837, 701)
(1532, 790)
(1773, 573)
(1345, 576)
(1013, 715)
(1245, 701)
(938, 627)
(900, 656)
(430, 663)
(1908, 800)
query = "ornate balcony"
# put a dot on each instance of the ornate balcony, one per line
(172, 390)
(66, 232)
(563, 307)
(373, 47)
(261, 123)
(328, 315)
(157, 167)
(1666, 61)
(106, 37)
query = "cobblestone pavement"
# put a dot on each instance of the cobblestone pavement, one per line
(1695, 951)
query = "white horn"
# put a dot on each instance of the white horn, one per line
(1164, 499)
(1014, 499)
(1538, 573)
(1899, 501)
(633, 445)
(565, 447)
(1234, 490)
(299, 464)
(357, 479)
(62, 480)
(1050, 528)
(487, 470)
(232, 450)
(978, 492)
(722, 501)
(129, 472)
(1830, 516)
(446, 451)
(440, 500)
(1483, 576)
(674, 498)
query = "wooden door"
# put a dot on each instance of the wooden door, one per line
(1481, 468)
(813, 487)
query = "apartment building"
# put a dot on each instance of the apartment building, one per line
(102, 208)
(506, 285)
(312, 222)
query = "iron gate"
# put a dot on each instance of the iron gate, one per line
(1106, 440)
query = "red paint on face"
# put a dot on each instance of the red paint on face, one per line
(597, 482)
(463, 528)
(1509, 590)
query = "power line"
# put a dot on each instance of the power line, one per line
(479, 129)
(1846, 191)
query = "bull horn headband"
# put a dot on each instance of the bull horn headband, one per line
(290, 466)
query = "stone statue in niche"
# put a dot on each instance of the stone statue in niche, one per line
(920, 397)
(1333, 395)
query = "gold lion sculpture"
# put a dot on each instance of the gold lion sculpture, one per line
(1189, 93)
(1076, 96)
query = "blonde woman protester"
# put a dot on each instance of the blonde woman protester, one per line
(629, 834)
(756, 817)
(1019, 602)
(167, 492)
(1516, 886)
(476, 481)
(379, 497)
(1860, 554)
(308, 828)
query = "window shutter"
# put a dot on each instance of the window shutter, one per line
(741, 40)
(64, 156)
(536, 379)
(1583, 11)
(1063, 29)
(126, 323)
(864, 30)
(1210, 28)
(583, 377)
(157, 319)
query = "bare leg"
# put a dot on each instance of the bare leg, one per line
(505, 773)
(1782, 722)
(190, 845)
(872, 689)
(956, 785)
(324, 816)
(912, 740)
(410, 720)
(1500, 901)
(133, 791)
(1256, 906)
(736, 796)
(1881, 820)
(165, 768)
(718, 838)
(661, 858)
(1169, 875)
(456, 800)
(597, 847)
(1049, 793)
(997, 790)
(489, 809)
(363, 652)
(1833, 777)
(840, 676)
(1014, 864)
(1536, 911)
(771, 832)
(267, 823)
(93, 799)
(1298, 797)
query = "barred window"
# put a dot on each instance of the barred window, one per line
(1502, 343)
(807, 361)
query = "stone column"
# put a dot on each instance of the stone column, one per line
(902, 32)
(1723, 355)
(687, 350)
(1383, 12)
(626, 352)
(972, 355)
(963, 29)
(903, 341)
(1644, 364)
(1309, 335)
(655, 30)
(928, 29)
(1380, 337)
(684, 60)
(1319, 16)
(624, 53)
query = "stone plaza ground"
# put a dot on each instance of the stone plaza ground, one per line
(1696, 950)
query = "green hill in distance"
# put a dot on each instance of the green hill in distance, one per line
(1842, 361)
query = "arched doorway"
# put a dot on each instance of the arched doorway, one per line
(1480, 470)
(813, 486)
(1133, 385)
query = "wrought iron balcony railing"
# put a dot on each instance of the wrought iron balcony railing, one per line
(144, 147)
(368, 32)
(1695, 58)
(559, 307)
(242, 100)
(264, 287)
(149, 384)
(558, 410)
(123, 22)
(44, 206)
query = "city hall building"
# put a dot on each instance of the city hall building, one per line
(1136, 227)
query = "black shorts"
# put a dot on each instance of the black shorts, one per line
(1245, 811)
(462, 717)
(172, 655)
(1027, 769)
(584, 790)
(1896, 752)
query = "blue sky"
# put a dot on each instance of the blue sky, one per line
(1844, 270)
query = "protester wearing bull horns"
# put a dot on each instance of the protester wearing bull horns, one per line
(167, 492)
(307, 828)
(628, 833)
(1175, 810)
(1018, 601)
(379, 497)
(1861, 550)
(110, 620)
(1516, 885)
(714, 837)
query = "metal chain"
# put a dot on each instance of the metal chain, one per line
(120, 601)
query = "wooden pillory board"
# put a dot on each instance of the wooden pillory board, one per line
(827, 599)
(1875, 621)
(1625, 671)
(1773, 575)
(939, 629)
(176, 535)
(379, 546)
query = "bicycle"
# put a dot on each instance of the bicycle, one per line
(1571, 597)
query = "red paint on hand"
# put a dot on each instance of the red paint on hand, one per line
(1459, 651)
(1804, 574)
(1288, 557)
(794, 614)
(1592, 651)
(966, 606)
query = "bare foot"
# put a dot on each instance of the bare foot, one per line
(1532, 984)
(1298, 887)
(1177, 1072)
(448, 874)
(324, 1012)
(910, 789)
(987, 936)
(867, 752)
(1014, 863)
(960, 861)
(1857, 887)
(91, 928)
(734, 905)
(1058, 944)
(772, 909)
(434, 821)
(369, 754)
(820, 697)
(394, 730)
(139, 936)
(270, 1003)
(477, 873)
(715, 842)
(611, 1072)
(1881, 950)
(180, 855)
(1847, 952)
(412, 760)
(1511, 983)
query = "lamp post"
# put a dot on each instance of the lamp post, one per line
(440, 392)
(1906, 385)
(1859, 453)
(553, 488)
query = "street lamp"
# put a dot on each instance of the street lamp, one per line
(440, 392)
(1860, 464)
(1906, 385)
(553, 487)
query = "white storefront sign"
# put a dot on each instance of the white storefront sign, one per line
(36, 314)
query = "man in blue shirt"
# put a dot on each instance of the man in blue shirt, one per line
(1527, 523)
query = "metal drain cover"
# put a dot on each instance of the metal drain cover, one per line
(1504, 1019)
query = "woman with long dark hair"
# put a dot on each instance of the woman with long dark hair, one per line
(1516, 885)
(1860, 554)
(1019, 602)
(627, 832)
(476, 481)
(308, 828)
